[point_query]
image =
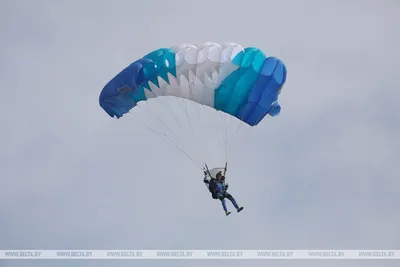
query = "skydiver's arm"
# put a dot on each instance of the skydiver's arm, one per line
(206, 178)
(226, 168)
(209, 180)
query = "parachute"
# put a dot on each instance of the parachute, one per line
(236, 82)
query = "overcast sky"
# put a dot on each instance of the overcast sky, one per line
(322, 175)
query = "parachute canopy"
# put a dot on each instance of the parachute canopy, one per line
(242, 82)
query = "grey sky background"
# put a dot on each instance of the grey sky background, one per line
(325, 172)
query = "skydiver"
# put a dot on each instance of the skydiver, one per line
(218, 190)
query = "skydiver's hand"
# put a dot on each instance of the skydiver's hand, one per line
(226, 185)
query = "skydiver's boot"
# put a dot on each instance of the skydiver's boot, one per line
(240, 209)
(227, 213)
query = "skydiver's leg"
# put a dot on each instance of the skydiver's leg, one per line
(230, 197)
(224, 205)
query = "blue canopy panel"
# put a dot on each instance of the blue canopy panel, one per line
(251, 92)
(123, 92)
